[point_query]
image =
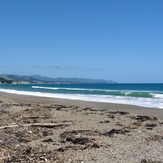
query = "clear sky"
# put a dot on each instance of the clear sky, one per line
(120, 40)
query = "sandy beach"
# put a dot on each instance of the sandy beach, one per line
(81, 81)
(37, 129)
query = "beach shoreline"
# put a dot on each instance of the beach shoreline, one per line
(110, 106)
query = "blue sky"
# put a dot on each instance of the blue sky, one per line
(120, 40)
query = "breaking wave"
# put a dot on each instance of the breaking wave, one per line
(156, 102)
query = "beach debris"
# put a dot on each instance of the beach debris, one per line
(81, 132)
(48, 140)
(114, 132)
(119, 112)
(150, 126)
(87, 113)
(154, 138)
(161, 123)
(111, 116)
(119, 124)
(47, 125)
(87, 108)
(94, 110)
(105, 121)
(74, 147)
(60, 107)
(80, 140)
(47, 132)
(141, 118)
(74, 107)
(134, 125)
(61, 149)
(150, 161)
(78, 137)
(75, 138)
(29, 155)
(26, 136)
(95, 145)
(33, 117)
(28, 150)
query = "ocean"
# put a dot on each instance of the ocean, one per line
(145, 95)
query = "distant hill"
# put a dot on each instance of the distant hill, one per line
(3, 80)
(41, 79)
(75, 80)
(20, 79)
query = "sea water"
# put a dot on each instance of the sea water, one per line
(146, 95)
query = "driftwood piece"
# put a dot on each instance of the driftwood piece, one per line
(33, 117)
(48, 125)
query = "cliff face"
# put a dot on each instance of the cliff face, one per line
(20, 82)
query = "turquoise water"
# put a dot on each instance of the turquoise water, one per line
(147, 95)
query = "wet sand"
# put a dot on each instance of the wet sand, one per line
(129, 108)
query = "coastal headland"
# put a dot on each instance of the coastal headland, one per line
(38, 129)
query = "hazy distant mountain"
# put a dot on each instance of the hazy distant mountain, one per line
(19, 78)
(42, 79)
(3, 80)
(75, 80)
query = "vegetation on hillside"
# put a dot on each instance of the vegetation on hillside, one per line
(5, 81)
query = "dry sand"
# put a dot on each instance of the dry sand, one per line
(34, 129)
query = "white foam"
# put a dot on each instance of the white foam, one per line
(89, 89)
(39, 87)
(144, 102)
(76, 89)
(158, 95)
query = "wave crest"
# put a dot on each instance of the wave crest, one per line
(98, 91)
